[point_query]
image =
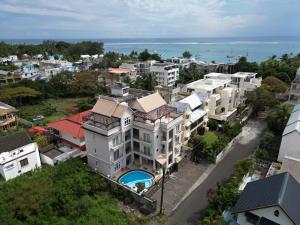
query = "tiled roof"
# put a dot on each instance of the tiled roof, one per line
(149, 103)
(279, 190)
(11, 142)
(71, 125)
(109, 108)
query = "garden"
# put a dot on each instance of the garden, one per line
(68, 193)
(212, 142)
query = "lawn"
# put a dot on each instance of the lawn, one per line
(51, 109)
(210, 137)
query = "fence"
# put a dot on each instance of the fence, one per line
(141, 200)
(227, 149)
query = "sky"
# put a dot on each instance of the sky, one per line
(148, 18)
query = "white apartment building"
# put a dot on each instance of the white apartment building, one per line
(194, 109)
(244, 81)
(165, 73)
(147, 133)
(141, 68)
(18, 155)
(221, 101)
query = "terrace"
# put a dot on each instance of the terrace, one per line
(165, 114)
(104, 123)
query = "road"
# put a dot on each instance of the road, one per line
(190, 211)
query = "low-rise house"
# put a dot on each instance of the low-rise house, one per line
(18, 155)
(181, 61)
(291, 137)
(169, 94)
(294, 92)
(119, 89)
(194, 110)
(270, 201)
(69, 130)
(222, 101)
(51, 155)
(165, 74)
(116, 75)
(7, 117)
(147, 134)
(243, 81)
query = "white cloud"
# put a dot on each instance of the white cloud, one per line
(136, 18)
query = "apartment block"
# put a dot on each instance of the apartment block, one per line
(243, 81)
(165, 73)
(222, 98)
(194, 109)
(147, 133)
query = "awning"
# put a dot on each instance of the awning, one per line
(197, 114)
(161, 159)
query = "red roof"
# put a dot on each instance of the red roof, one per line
(37, 130)
(71, 125)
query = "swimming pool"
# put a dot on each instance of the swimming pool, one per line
(133, 177)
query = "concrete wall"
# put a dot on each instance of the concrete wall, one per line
(12, 168)
(288, 146)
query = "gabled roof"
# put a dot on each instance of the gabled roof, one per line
(71, 125)
(149, 103)
(109, 108)
(279, 190)
(293, 123)
(12, 142)
(193, 100)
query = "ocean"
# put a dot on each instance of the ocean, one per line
(204, 49)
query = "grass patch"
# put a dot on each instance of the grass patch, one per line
(210, 137)
(51, 109)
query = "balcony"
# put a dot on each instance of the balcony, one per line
(106, 124)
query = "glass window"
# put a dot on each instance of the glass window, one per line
(116, 141)
(24, 162)
(117, 166)
(127, 121)
(147, 150)
(147, 137)
(116, 154)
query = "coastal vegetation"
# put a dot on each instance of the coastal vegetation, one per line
(68, 193)
(70, 51)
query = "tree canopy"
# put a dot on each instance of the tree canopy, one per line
(274, 84)
(186, 54)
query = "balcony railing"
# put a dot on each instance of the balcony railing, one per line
(102, 125)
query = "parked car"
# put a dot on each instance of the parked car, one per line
(38, 118)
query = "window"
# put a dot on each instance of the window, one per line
(170, 161)
(116, 155)
(117, 166)
(251, 218)
(10, 166)
(127, 135)
(170, 134)
(177, 128)
(116, 141)
(127, 121)
(147, 150)
(136, 133)
(24, 162)
(147, 138)
(95, 150)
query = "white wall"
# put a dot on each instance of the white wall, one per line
(11, 167)
(288, 146)
(268, 213)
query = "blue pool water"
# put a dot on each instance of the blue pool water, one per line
(131, 178)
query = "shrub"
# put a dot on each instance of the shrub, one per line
(213, 124)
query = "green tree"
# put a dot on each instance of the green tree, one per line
(41, 140)
(279, 117)
(274, 84)
(187, 54)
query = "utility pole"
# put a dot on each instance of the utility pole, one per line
(162, 190)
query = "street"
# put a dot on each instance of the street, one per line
(191, 209)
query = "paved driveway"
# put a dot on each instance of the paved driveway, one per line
(179, 184)
(191, 208)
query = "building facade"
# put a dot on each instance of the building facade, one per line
(165, 74)
(222, 98)
(243, 81)
(194, 109)
(7, 117)
(18, 155)
(146, 133)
